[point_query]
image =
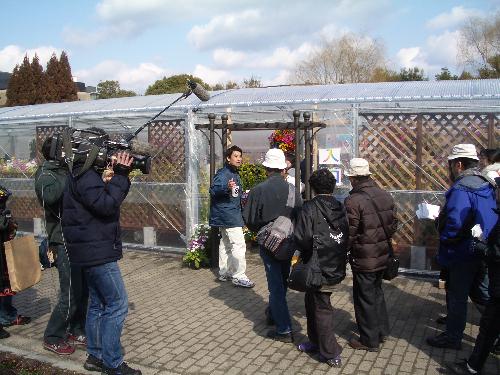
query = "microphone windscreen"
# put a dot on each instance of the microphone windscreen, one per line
(142, 148)
(199, 91)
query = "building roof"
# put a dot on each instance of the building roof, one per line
(443, 93)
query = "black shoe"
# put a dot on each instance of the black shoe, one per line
(93, 364)
(443, 341)
(123, 369)
(460, 368)
(3, 333)
(283, 337)
(269, 318)
(441, 319)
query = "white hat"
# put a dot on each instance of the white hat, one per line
(358, 167)
(275, 159)
(464, 150)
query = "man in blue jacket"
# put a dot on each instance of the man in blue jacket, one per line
(469, 202)
(91, 228)
(225, 213)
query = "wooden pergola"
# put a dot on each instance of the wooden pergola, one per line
(305, 132)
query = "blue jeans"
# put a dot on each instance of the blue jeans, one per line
(277, 272)
(108, 307)
(8, 312)
(463, 277)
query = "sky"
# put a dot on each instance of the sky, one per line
(137, 42)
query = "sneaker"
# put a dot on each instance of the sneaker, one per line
(3, 333)
(283, 337)
(307, 347)
(332, 362)
(93, 364)
(460, 368)
(19, 321)
(224, 278)
(123, 369)
(62, 348)
(358, 345)
(443, 341)
(77, 340)
(244, 283)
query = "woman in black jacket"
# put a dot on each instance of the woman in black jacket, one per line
(322, 224)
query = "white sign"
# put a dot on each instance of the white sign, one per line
(337, 173)
(329, 155)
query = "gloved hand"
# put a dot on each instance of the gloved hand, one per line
(122, 163)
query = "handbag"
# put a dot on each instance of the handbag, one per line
(392, 267)
(277, 236)
(23, 262)
(306, 276)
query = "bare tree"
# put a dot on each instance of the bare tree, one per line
(350, 58)
(479, 41)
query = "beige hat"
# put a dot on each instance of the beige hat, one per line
(464, 150)
(275, 159)
(358, 167)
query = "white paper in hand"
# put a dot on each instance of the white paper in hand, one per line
(477, 232)
(427, 211)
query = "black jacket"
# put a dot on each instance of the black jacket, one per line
(367, 239)
(266, 202)
(326, 226)
(91, 218)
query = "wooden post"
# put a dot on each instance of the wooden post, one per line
(418, 171)
(211, 119)
(214, 231)
(307, 141)
(296, 116)
(491, 130)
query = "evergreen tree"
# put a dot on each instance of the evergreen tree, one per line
(67, 88)
(173, 84)
(52, 74)
(39, 82)
(445, 75)
(22, 86)
(13, 88)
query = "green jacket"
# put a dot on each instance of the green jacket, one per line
(50, 181)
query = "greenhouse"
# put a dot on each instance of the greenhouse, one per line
(404, 129)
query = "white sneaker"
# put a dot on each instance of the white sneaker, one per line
(244, 283)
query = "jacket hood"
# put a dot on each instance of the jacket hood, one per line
(330, 207)
(473, 180)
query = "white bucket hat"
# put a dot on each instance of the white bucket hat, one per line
(358, 167)
(463, 150)
(275, 159)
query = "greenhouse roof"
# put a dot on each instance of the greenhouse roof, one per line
(449, 92)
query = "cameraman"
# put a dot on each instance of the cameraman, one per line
(66, 325)
(91, 228)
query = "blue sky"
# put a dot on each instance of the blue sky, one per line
(139, 41)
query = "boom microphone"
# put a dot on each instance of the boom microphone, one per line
(142, 148)
(198, 90)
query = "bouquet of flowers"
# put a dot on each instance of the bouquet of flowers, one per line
(284, 140)
(198, 250)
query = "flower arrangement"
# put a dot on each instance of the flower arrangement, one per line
(198, 250)
(18, 166)
(283, 139)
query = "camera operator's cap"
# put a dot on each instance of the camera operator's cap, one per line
(463, 150)
(358, 167)
(275, 159)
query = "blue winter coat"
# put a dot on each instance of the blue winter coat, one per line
(470, 201)
(91, 218)
(225, 210)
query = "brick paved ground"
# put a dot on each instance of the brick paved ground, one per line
(182, 321)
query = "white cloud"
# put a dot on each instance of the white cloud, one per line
(213, 76)
(135, 78)
(453, 18)
(282, 78)
(12, 55)
(439, 51)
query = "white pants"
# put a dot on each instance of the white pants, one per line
(232, 249)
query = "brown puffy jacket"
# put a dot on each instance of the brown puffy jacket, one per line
(367, 240)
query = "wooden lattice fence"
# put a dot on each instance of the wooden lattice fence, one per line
(408, 151)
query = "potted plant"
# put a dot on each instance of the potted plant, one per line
(198, 250)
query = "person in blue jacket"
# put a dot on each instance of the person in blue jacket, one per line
(225, 213)
(470, 202)
(91, 229)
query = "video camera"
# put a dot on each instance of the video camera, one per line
(95, 149)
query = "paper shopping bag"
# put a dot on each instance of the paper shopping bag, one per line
(23, 262)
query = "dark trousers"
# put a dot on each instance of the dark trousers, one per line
(320, 319)
(70, 311)
(369, 307)
(489, 329)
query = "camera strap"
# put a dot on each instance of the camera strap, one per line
(68, 149)
(89, 161)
